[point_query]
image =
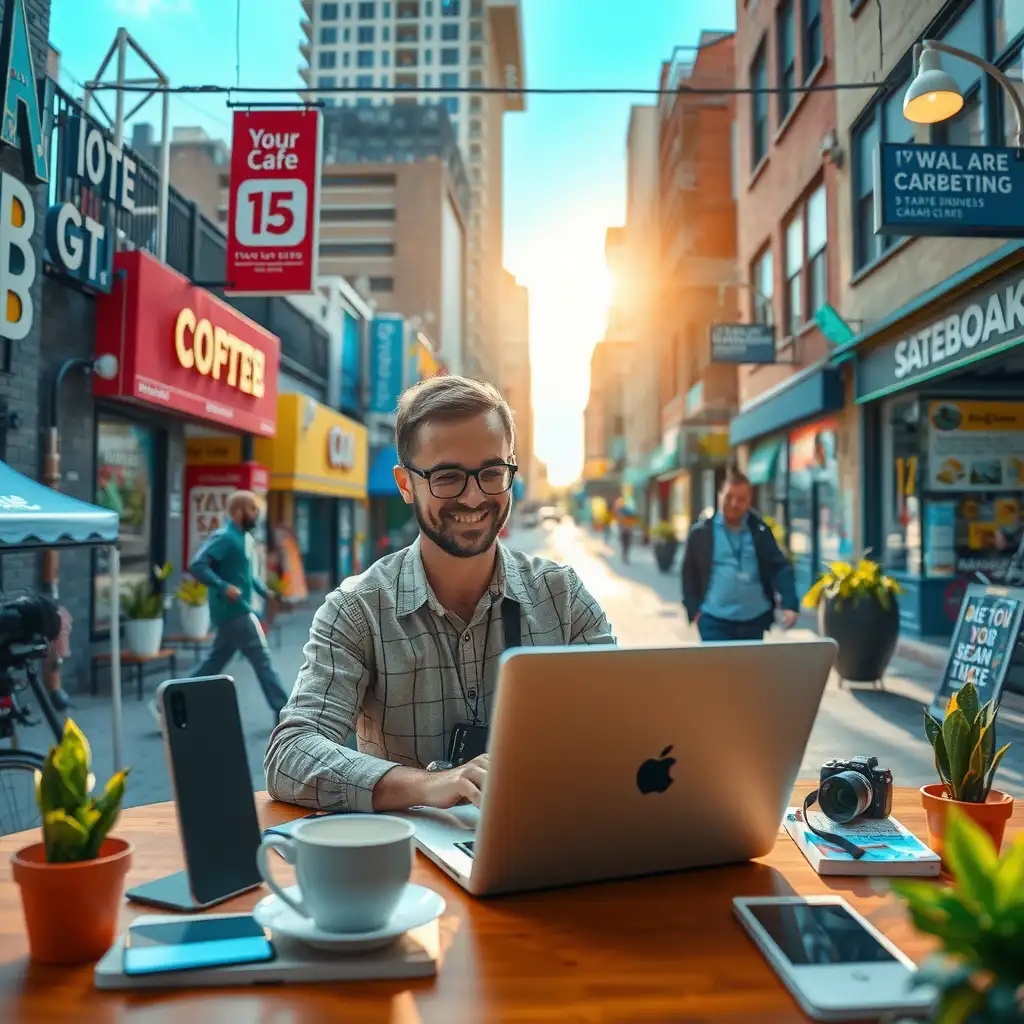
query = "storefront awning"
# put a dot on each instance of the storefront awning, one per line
(764, 460)
(801, 397)
(382, 478)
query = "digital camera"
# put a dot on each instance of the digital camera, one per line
(854, 788)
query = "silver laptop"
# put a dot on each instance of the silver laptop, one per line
(611, 762)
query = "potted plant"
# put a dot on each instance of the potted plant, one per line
(857, 608)
(194, 608)
(966, 758)
(665, 544)
(142, 606)
(72, 882)
(979, 922)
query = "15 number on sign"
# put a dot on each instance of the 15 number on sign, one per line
(271, 212)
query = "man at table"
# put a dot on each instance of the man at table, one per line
(406, 653)
(224, 564)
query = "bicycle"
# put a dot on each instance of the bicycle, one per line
(18, 809)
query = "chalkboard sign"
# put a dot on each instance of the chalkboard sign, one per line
(984, 643)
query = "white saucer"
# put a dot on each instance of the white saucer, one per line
(417, 907)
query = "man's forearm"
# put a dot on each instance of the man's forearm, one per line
(400, 789)
(201, 570)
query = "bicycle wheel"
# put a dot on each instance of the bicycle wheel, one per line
(18, 810)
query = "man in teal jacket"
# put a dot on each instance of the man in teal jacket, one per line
(224, 565)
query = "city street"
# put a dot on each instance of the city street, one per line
(643, 606)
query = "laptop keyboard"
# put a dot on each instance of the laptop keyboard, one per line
(466, 847)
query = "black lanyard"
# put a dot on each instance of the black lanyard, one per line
(511, 627)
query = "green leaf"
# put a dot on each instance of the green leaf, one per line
(996, 758)
(967, 701)
(933, 730)
(107, 807)
(958, 1005)
(955, 735)
(52, 792)
(1010, 878)
(64, 838)
(972, 859)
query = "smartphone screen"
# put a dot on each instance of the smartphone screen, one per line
(818, 933)
(203, 942)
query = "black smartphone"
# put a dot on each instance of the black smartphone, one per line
(213, 796)
(200, 942)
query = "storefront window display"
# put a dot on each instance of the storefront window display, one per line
(125, 479)
(901, 495)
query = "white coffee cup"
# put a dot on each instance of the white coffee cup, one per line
(351, 869)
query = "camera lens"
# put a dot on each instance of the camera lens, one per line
(845, 796)
(178, 714)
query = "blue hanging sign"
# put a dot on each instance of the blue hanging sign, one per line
(968, 191)
(387, 366)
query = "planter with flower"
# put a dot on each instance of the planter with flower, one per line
(665, 544)
(194, 609)
(857, 608)
(966, 758)
(72, 882)
(142, 606)
(979, 922)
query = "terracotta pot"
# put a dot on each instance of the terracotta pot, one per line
(71, 910)
(992, 815)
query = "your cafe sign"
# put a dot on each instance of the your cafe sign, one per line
(983, 322)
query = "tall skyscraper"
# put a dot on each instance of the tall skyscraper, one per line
(439, 47)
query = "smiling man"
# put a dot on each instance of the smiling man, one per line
(406, 654)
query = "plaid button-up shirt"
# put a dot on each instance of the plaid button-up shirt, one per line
(386, 660)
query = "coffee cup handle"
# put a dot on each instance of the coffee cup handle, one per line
(285, 847)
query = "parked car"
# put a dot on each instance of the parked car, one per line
(529, 517)
(550, 512)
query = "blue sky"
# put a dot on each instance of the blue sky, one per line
(564, 157)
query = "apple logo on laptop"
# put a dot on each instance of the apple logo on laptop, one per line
(653, 776)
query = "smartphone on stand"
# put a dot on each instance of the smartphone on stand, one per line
(836, 965)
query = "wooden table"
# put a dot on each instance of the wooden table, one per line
(655, 949)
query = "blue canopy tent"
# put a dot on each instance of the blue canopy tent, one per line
(34, 516)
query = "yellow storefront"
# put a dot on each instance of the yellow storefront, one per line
(317, 466)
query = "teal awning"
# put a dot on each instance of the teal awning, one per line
(662, 460)
(763, 461)
(636, 476)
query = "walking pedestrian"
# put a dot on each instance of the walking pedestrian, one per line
(734, 572)
(224, 564)
(627, 520)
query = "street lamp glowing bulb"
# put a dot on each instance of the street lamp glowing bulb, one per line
(933, 95)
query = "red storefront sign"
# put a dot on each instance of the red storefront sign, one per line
(274, 202)
(207, 489)
(182, 348)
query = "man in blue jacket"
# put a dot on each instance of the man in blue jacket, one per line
(225, 565)
(734, 572)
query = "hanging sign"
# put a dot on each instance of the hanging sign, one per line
(274, 202)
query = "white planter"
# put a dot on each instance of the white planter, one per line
(143, 636)
(195, 620)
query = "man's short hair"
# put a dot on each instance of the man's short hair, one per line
(734, 476)
(446, 398)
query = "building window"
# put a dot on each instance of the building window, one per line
(357, 249)
(367, 11)
(449, 80)
(385, 34)
(475, 129)
(364, 59)
(1009, 19)
(428, 80)
(354, 214)
(812, 36)
(384, 84)
(759, 108)
(476, 78)
(365, 34)
(344, 82)
(408, 9)
(968, 33)
(364, 81)
(793, 314)
(382, 284)
(475, 151)
(347, 35)
(817, 250)
(786, 36)
(407, 34)
(328, 36)
(476, 55)
(386, 10)
(428, 56)
(450, 8)
(902, 468)
(327, 59)
(451, 104)
(450, 55)
(476, 31)
(325, 82)
(428, 32)
(450, 31)
(385, 58)
(346, 59)
(328, 12)
(348, 10)
(762, 278)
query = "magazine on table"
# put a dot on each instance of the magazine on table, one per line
(890, 848)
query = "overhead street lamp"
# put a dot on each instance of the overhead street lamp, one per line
(934, 96)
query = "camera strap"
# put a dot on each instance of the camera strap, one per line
(830, 837)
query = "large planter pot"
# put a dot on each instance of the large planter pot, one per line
(195, 620)
(143, 636)
(866, 633)
(71, 910)
(665, 553)
(991, 816)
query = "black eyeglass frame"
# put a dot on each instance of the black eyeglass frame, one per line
(426, 474)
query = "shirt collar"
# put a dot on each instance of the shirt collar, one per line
(414, 590)
(720, 520)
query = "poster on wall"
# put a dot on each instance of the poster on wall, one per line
(976, 446)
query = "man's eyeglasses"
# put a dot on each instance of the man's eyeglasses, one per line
(451, 481)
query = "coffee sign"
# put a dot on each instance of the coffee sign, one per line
(341, 448)
(983, 645)
(984, 322)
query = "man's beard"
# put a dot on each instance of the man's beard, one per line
(442, 530)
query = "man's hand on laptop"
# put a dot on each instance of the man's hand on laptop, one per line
(402, 788)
